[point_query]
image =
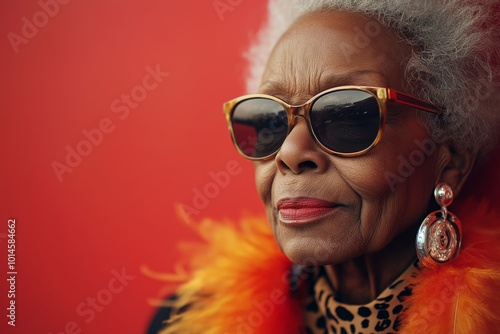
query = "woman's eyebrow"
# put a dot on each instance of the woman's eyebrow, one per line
(358, 78)
(326, 81)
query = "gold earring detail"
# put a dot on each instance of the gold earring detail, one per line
(440, 234)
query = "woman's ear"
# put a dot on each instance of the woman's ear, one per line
(455, 163)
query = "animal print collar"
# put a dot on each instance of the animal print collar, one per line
(323, 314)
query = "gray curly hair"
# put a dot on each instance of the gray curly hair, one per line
(455, 63)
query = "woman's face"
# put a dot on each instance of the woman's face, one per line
(326, 209)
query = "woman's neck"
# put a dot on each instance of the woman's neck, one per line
(362, 279)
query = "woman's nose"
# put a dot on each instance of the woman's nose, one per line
(300, 153)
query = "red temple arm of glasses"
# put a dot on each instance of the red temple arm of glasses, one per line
(412, 101)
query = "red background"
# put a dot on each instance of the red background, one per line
(115, 210)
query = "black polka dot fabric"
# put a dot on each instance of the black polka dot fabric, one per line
(323, 314)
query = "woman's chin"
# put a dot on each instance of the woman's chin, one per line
(319, 243)
(316, 252)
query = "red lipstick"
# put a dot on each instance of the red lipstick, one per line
(303, 210)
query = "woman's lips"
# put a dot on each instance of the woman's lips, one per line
(303, 210)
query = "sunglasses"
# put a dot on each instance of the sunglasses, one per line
(346, 121)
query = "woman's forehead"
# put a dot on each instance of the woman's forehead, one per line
(323, 50)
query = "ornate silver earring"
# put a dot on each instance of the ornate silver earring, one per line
(440, 235)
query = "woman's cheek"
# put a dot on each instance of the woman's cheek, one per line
(264, 177)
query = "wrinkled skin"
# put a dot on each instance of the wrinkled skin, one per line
(369, 238)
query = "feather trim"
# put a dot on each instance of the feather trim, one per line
(239, 283)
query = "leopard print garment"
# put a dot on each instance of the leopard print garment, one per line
(323, 314)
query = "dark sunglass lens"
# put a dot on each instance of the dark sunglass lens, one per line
(260, 126)
(346, 121)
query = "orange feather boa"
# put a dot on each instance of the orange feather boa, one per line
(239, 283)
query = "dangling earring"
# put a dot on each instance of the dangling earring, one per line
(440, 235)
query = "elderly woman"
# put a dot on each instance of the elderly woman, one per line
(368, 119)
